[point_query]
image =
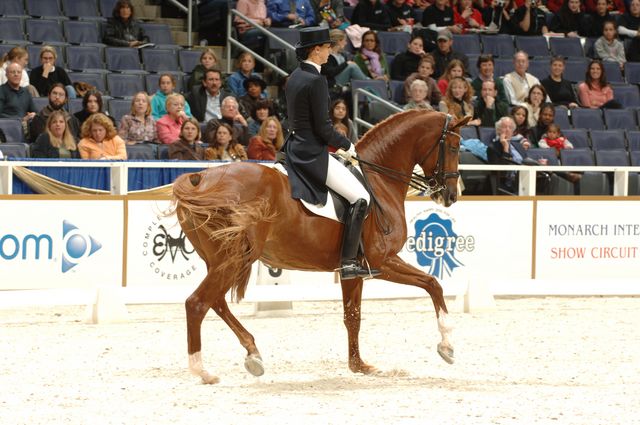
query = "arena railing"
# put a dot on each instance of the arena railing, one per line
(119, 172)
(356, 96)
(235, 43)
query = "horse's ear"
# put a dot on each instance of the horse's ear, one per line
(462, 122)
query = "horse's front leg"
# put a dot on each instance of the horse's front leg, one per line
(352, 301)
(394, 269)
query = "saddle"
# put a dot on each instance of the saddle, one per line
(336, 207)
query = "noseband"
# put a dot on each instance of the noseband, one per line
(427, 184)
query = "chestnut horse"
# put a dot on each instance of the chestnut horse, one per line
(238, 213)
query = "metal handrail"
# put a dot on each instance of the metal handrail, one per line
(237, 44)
(359, 121)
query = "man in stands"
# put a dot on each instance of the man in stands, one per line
(206, 98)
(57, 100)
(445, 54)
(529, 19)
(282, 15)
(231, 115)
(485, 73)
(489, 108)
(16, 101)
(518, 82)
(439, 17)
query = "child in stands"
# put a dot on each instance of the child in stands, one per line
(608, 47)
(553, 138)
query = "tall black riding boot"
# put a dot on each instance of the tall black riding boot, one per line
(351, 268)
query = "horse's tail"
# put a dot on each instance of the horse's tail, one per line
(216, 214)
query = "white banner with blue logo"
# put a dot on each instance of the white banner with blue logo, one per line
(158, 252)
(470, 239)
(61, 243)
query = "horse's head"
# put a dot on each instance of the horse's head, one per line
(445, 171)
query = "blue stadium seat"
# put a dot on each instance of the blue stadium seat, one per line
(82, 32)
(377, 87)
(397, 91)
(34, 55)
(542, 153)
(486, 134)
(12, 8)
(627, 95)
(571, 157)
(569, 47)
(590, 119)
(142, 151)
(578, 137)
(159, 34)
(620, 119)
(12, 30)
(575, 69)
(151, 81)
(613, 72)
(75, 105)
(502, 66)
(118, 108)
(84, 9)
(83, 58)
(539, 68)
(633, 137)
(607, 140)
(473, 69)
(469, 132)
(535, 46)
(469, 44)
(12, 129)
(612, 158)
(393, 41)
(96, 79)
(290, 35)
(632, 72)
(41, 102)
(124, 85)
(498, 45)
(163, 151)
(635, 158)
(159, 60)
(122, 59)
(46, 31)
(106, 7)
(43, 8)
(14, 150)
(189, 59)
(562, 117)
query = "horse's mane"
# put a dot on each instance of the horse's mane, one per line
(379, 139)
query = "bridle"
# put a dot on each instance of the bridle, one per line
(426, 184)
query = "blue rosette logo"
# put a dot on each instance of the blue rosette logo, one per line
(436, 243)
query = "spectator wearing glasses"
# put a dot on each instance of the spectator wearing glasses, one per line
(57, 102)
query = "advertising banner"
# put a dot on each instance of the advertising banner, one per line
(470, 239)
(587, 239)
(60, 243)
(158, 252)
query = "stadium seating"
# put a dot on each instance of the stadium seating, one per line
(106, 7)
(82, 32)
(562, 117)
(74, 105)
(12, 129)
(539, 68)
(613, 72)
(534, 46)
(12, 8)
(627, 95)
(11, 30)
(159, 60)
(377, 87)
(118, 108)
(122, 59)
(142, 151)
(189, 59)
(43, 8)
(607, 140)
(620, 119)
(612, 158)
(124, 85)
(393, 41)
(590, 119)
(397, 91)
(578, 137)
(575, 69)
(486, 134)
(542, 153)
(568, 47)
(635, 158)
(14, 150)
(41, 102)
(44, 30)
(633, 137)
(85, 58)
(84, 9)
(632, 72)
(497, 45)
(469, 132)
(469, 44)
(96, 79)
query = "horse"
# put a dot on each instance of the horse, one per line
(241, 212)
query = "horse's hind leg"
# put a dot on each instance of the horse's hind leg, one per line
(395, 269)
(352, 301)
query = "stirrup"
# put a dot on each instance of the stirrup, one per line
(352, 269)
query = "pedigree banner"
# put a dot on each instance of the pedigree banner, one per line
(470, 239)
(588, 239)
(158, 252)
(60, 243)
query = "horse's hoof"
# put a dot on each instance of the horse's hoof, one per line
(253, 364)
(446, 353)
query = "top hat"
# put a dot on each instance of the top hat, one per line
(313, 36)
(256, 80)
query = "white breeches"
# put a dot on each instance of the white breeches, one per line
(344, 183)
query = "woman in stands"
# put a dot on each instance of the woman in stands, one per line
(457, 100)
(338, 69)
(245, 68)
(168, 127)
(100, 139)
(520, 116)
(43, 77)
(455, 69)
(533, 102)
(188, 147)
(559, 90)
(370, 59)
(225, 147)
(405, 63)
(208, 60)
(20, 56)
(56, 141)
(595, 91)
(91, 104)
(467, 16)
(339, 113)
(123, 29)
(138, 126)
(630, 28)
(267, 142)
(166, 86)
(264, 108)
(425, 71)
(569, 20)
(418, 98)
